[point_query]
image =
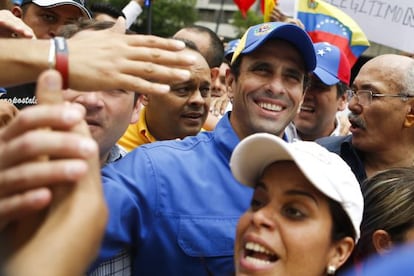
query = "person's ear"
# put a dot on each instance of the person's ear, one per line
(214, 72)
(339, 253)
(144, 99)
(229, 84)
(381, 241)
(409, 118)
(342, 101)
(17, 11)
(136, 110)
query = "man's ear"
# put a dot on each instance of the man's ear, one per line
(342, 101)
(17, 11)
(409, 118)
(136, 110)
(381, 241)
(214, 72)
(229, 84)
(144, 99)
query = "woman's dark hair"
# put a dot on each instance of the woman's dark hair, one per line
(341, 227)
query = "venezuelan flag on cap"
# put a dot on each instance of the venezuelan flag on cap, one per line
(326, 23)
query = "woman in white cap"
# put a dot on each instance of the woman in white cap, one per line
(306, 209)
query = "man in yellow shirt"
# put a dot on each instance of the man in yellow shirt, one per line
(176, 114)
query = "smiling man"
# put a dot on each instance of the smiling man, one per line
(178, 200)
(325, 95)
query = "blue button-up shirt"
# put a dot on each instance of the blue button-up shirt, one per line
(175, 205)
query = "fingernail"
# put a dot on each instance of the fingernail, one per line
(72, 115)
(189, 58)
(162, 88)
(53, 83)
(184, 74)
(39, 195)
(179, 44)
(88, 146)
(74, 169)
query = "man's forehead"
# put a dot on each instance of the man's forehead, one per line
(277, 48)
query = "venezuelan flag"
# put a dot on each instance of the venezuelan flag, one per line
(324, 22)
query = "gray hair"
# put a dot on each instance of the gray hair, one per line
(408, 80)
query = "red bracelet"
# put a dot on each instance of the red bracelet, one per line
(61, 64)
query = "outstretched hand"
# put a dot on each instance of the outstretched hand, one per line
(141, 63)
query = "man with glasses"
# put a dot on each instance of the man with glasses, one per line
(382, 117)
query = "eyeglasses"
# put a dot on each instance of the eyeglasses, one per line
(364, 97)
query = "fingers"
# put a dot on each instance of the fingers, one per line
(218, 105)
(165, 57)
(12, 26)
(31, 175)
(49, 93)
(49, 88)
(119, 26)
(155, 42)
(42, 142)
(20, 205)
(224, 102)
(57, 117)
(138, 60)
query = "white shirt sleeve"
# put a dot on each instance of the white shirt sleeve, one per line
(131, 11)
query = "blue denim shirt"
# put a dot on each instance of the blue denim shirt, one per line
(175, 204)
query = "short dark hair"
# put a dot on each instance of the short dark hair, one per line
(215, 52)
(341, 227)
(105, 8)
(341, 88)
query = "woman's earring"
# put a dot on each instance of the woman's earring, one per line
(331, 270)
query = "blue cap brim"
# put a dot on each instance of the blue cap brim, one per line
(325, 77)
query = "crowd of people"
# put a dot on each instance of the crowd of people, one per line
(131, 154)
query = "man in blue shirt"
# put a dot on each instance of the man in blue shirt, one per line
(175, 204)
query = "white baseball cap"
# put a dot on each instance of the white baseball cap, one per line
(325, 170)
(54, 3)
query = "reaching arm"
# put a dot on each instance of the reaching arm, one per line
(64, 239)
(101, 60)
